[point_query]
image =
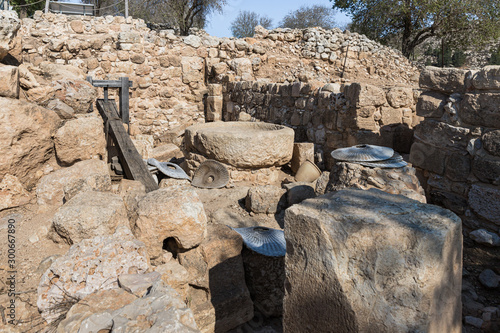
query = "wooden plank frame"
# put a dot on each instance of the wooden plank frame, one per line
(133, 165)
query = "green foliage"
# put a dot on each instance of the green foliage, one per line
(458, 58)
(26, 8)
(410, 22)
(246, 21)
(306, 17)
(495, 57)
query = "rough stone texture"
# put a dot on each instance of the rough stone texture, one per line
(431, 104)
(487, 78)
(491, 142)
(487, 168)
(78, 94)
(242, 144)
(12, 193)
(90, 214)
(365, 94)
(267, 199)
(485, 237)
(166, 152)
(9, 25)
(299, 191)
(216, 266)
(428, 157)
(401, 181)
(484, 200)
(481, 109)
(63, 111)
(138, 284)
(26, 132)
(400, 97)
(61, 185)
(80, 139)
(489, 279)
(9, 85)
(346, 264)
(131, 191)
(176, 276)
(265, 278)
(448, 80)
(98, 302)
(170, 212)
(302, 151)
(91, 265)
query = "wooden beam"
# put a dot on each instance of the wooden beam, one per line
(133, 165)
(124, 101)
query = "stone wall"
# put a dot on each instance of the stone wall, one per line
(170, 73)
(331, 116)
(458, 144)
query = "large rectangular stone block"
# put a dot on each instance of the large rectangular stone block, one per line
(431, 104)
(369, 261)
(448, 80)
(488, 78)
(428, 157)
(481, 109)
(9, 83)
(360, 94)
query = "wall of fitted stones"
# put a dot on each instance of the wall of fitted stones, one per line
(331, 116)
(170, 72)
(458, 144)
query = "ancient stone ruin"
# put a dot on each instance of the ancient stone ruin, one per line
(290, 237)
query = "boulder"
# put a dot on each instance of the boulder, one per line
(64, 111)
(144, 145)
(447, 80)
(361, 94)
(176, 276)
(481, 109)
(487, 168)
(175, 212)
(400, 97)
(60, 186)
(166, 152)
(299, 191)
(54, 72)
(242, 67)
(487, 78)
(216, 265)
(91, 265)
(428, 157)
(26, 79)
(89, 214)
(268, 199)
(80, 139)
(12, 193)
(484, 199)
(485, 237)
(131, 191)
(431, 104)
(491, 142)
(9, 85)
(9, 25)
(26, 132)
(379, 262)
(78, 94)
(193, 69)
(138, 284)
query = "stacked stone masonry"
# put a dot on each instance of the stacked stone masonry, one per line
(458, 144)
(170, 73)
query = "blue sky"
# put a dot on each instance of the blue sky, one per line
(219, 24)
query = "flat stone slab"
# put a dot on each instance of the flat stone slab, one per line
(369, 261)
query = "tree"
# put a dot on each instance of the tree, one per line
(309, 16)
(26, 8)
(410, 22)
(244, 24)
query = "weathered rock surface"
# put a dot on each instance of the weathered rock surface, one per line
(365, 95)
(80, 139)
(298, 192)
(9, 25)
(26, 132)
(302, 151)
(217, 267)
(9, 85)
(489, 279)
(12, 193)
(90, 214)
(431, 104)
(491, 142)
(487, 78)
(63, 111)
(78, 94)
(481, 109)
(138, 284)
(395, 181)
(176, 276)
(448, 80)
(170, 212)
(131, 191)
(347, 264)
(485, 237)
(166, 152)
(267, 199)
(91, 265)
(61, 185)
(484, 200)
(242, 144)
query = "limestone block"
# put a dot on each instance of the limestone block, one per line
(487, 168)
(56, 72)
(138, 284)
(64, 111)
(428, 157)
(441, 134)
(22, 154)
(484, 200)
(144, 144)
(299, 191)
(89, 214)
(368, 124)
(176, 276)
(481, 109)
(400, 97)
(175, 212)
(129, 37)
(458, 166)
(60, 186)
(485, 237)
(193, 69)
(78, 94)
(241, 66)
(193, 41)
(214, 108)
(487, 78)
(448, 80)
(268, 199)
(26, 79)
(431, 104)
(9, 25)
(80, 139)
(401, 181)
(391, 116)
(360, 94)
(77, 26)
(91, 265)
(302, 151)
(214, 89)
(12, 193)
(9, 84)
(166, 152)
(491, 142)
(372, 262)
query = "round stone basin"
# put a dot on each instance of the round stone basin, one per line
(242, 144)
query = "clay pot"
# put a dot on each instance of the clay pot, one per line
(308, 172)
